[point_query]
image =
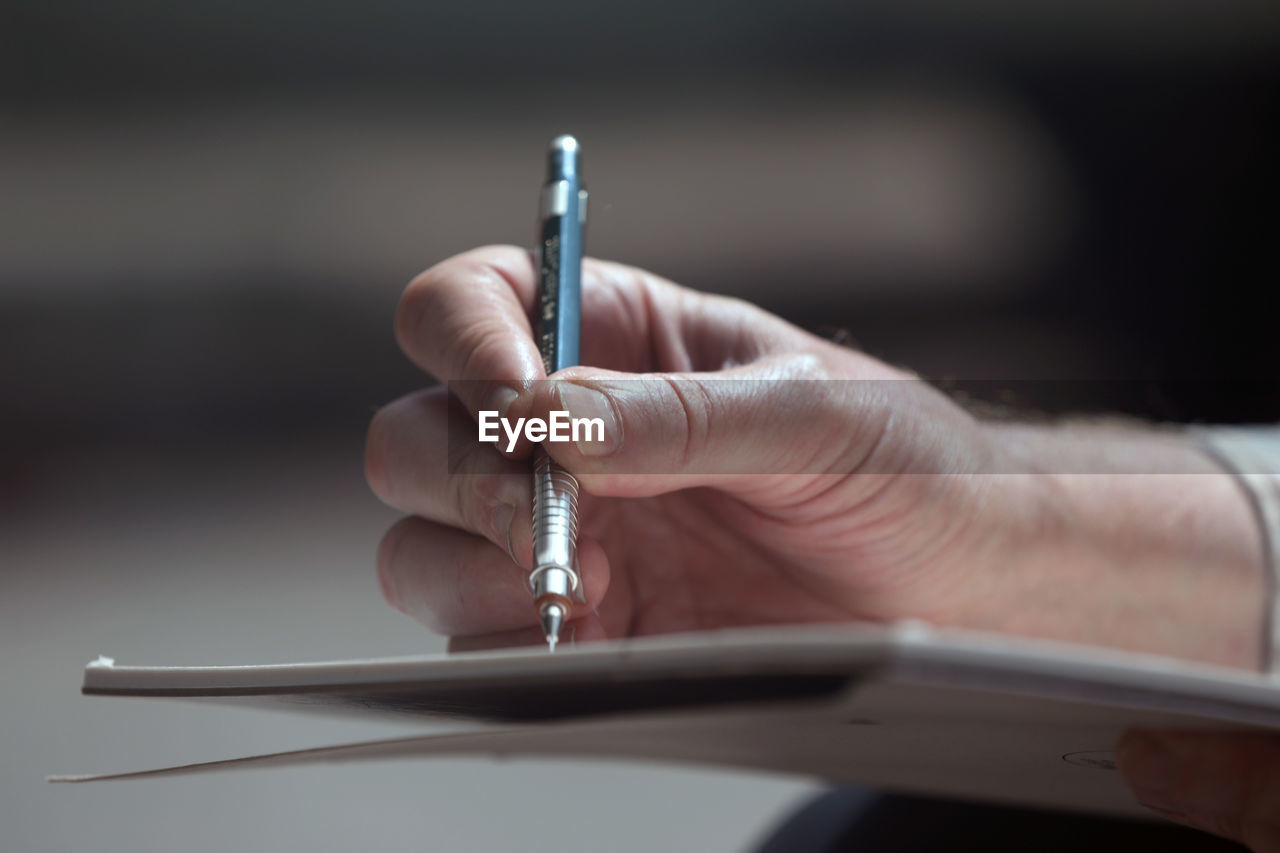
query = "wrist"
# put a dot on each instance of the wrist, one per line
(1130, 538)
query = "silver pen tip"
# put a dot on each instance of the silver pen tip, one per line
(552, 618)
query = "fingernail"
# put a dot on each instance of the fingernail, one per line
(499, 400)
(581, 401)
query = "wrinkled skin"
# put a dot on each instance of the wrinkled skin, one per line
(727, 497)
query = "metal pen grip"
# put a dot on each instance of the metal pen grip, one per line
(555, 531)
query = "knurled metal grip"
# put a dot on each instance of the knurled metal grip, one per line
(555, 532)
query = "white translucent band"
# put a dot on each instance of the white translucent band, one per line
(1253, 455)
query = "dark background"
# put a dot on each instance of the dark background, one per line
(208, 212)
(209, 209)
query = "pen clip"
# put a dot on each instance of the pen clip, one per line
(555, 200)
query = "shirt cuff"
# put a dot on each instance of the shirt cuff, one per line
(1252, 454)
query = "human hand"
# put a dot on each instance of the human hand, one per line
(763, 499)
(1226, 783)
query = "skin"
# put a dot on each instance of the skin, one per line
(1221, 782)
(723, 500)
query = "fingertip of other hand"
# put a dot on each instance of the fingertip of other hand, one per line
(1146, 762)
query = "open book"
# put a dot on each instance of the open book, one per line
(903, 707)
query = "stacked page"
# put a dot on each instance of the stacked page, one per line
(903, 707)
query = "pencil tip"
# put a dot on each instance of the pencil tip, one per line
(552, 618)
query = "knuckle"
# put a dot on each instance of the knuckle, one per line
(400, 466)
(803, 365)
(806, 384)
(429, 294)
(466, 296)
(477, 497)
(479, 340)
(696, 406)
(432, 290)
(465, 458)
(468, 505)
(412, 308)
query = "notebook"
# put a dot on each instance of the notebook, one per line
(904, 707)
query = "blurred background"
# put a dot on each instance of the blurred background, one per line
(208, 212)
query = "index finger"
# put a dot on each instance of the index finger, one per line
(467, 318)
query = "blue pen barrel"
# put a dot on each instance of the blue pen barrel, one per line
(560, 248)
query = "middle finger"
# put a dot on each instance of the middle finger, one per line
(423, 457)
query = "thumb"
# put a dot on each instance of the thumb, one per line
(638, 435)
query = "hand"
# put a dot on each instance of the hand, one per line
(769, 501)
(1222, 782)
